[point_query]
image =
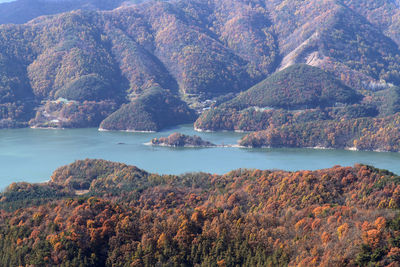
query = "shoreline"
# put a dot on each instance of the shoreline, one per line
(125, 131)
(326, 148)
(208, 131)
(203, 131)
(48, 128)
(220, 131)
(190, 146)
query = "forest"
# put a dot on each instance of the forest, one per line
(299, 86)
(292, 109)
(100, 213)
(291, 73)
(370, 134)
(93, 67)
(151, 111)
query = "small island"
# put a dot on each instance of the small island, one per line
(181, 140)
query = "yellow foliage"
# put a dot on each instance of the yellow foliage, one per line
(393, 204)
(342, 230)
(162, 240)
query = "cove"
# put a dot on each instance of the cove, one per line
(32, 155)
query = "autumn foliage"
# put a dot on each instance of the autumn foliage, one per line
(337, 216)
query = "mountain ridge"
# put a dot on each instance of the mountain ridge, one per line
(22, 11)
(197, 51)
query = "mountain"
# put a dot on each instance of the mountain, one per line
(100, 213)
(22, 11)
(200, 52)
(126, 52)
(152, 111)
(335, 36)
(297, 87)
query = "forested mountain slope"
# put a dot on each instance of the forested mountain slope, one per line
(99, 213)
(22, 11)
(99, 61)
(299, 86)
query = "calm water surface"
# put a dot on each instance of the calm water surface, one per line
(33, 154)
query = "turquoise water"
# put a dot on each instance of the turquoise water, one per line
(33, 154)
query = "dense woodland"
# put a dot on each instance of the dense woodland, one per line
(299, 86)
(153, 110)
(124, 216)
(195, 51)
(287, 110)
(294, 73)
(373, 134)
(22, 11)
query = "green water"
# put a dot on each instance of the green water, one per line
(33, 154)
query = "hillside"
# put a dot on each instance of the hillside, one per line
(372, 134)
(297, 87)
(338, 37)
(124, 52)
(257, 119)
(22, 11)
(388, 100)
(152, 111)
(99, 213)
(196, 50)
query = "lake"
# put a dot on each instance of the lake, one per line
(33, 154)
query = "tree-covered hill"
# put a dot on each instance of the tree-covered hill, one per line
(22, 11)
(372, 134)
(98, 56)
(152, 111)
(338, 37)
(195, 50)
(297, 87)
(100, 213)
